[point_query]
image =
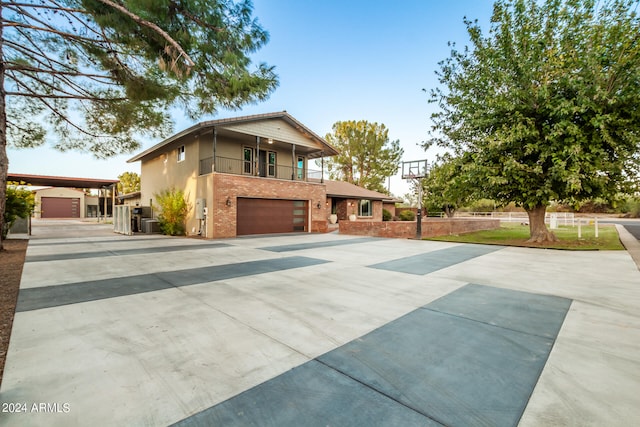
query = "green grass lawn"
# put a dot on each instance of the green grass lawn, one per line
(517, 235)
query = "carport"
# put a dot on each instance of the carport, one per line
(66, 207)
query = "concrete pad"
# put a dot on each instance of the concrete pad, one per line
(314, 245)
(122, 252)
(315, 396)
(429, 262)
(72, 293)
(146, 359)
(158, 357)
(592, 376)
(314, 316)
(448, 369)
(518, 311)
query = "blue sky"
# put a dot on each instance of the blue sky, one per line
(336, 60)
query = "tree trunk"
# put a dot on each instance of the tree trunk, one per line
(449, 212)
(4, 160)
(537, 228)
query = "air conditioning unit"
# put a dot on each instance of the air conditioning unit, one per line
(150, 225)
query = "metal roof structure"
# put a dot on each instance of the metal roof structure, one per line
(60, 181)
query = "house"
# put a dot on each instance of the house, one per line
(242, 175)
(346, 199)
(250, 175)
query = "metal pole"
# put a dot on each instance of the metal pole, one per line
(257, 162)
(293, 161)
(215, 149)
(419, 224)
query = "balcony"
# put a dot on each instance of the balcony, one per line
(240, 167)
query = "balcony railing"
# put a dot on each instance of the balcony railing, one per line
(240, 167)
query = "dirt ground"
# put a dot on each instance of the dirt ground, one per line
(11, 263)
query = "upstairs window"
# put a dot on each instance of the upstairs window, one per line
(271, 170)
(181, 154)
(300, 168)
(247, 160)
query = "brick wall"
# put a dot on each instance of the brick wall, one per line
(407, 229)
(227, 186)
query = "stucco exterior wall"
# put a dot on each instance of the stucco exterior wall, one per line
(165, 172)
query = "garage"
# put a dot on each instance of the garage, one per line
(60, 207)
(266, 216)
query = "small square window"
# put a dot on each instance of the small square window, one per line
(181, 154)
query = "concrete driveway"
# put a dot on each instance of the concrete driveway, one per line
(319, 329)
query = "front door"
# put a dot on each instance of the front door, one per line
(262, 163)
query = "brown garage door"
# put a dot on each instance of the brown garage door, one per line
(263, 216)
(60, 207)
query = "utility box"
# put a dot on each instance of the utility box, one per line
(200, 208)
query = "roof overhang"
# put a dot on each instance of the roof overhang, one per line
(345, 190)
(326, 150)
(60, 181)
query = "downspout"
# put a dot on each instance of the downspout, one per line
(322, 171)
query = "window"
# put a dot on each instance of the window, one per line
(181, 154)
(364, 208)
(247, 160)
(300, 168)
(271, 169)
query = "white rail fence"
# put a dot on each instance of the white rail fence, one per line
(554, 219)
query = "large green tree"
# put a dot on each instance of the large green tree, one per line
(129, 182)
(367, 157)
(547, 104)
(447, 186)
(98, 74)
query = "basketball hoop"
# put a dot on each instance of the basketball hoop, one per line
(416, 170)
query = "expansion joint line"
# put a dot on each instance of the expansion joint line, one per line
(380, 392)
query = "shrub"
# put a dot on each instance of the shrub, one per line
(19, 204)
(386, 215)
(634, 208)
(407, 216)
(173, 211)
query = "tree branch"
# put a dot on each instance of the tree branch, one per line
(58, 7)
(50, 30)
(189, 62)
(76, 90)
(57, 113)
(79, 98)
(13, 66)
